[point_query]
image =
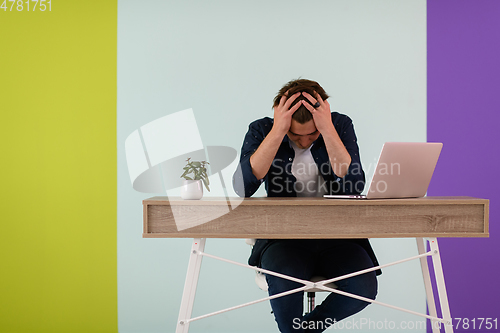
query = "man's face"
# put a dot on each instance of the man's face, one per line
(303, 135)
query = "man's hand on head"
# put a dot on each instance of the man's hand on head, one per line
(283, 113)
(262, 158)
(338, 154)
(321, 115)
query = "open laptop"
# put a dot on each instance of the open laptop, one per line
(404, 170)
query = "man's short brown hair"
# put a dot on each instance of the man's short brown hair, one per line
(302, 115)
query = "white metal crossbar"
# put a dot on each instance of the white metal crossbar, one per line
(195, 264)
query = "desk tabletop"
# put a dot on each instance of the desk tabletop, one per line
(212, 217)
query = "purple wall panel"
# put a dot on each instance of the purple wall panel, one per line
(463, 110)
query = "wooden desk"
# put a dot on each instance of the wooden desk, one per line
(307, 218)
(293, 218)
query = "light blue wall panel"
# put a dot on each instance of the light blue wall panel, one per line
(226, 60)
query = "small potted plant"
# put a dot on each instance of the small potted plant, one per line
(194, 174)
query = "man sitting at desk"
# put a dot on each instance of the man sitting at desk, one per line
(307, 151)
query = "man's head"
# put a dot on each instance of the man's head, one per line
(303, 135)
(302, 131)
(302, 115)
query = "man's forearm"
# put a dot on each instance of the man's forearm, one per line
(340, 159)
(263, 157)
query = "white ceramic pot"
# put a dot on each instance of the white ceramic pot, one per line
(191, 189)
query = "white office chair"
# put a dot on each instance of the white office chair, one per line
(260, 280)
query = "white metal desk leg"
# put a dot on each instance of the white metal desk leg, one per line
(441, 288)
(431, 304)
(190, 285)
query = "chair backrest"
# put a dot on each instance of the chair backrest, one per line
(260, 278)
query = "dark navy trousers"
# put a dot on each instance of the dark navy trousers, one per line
(306, 258)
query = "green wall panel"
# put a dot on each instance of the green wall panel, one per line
(58, 167)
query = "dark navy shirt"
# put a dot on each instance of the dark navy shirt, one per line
(280, 181)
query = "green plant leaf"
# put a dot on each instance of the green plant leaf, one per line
(198, 171)
(205, 181)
